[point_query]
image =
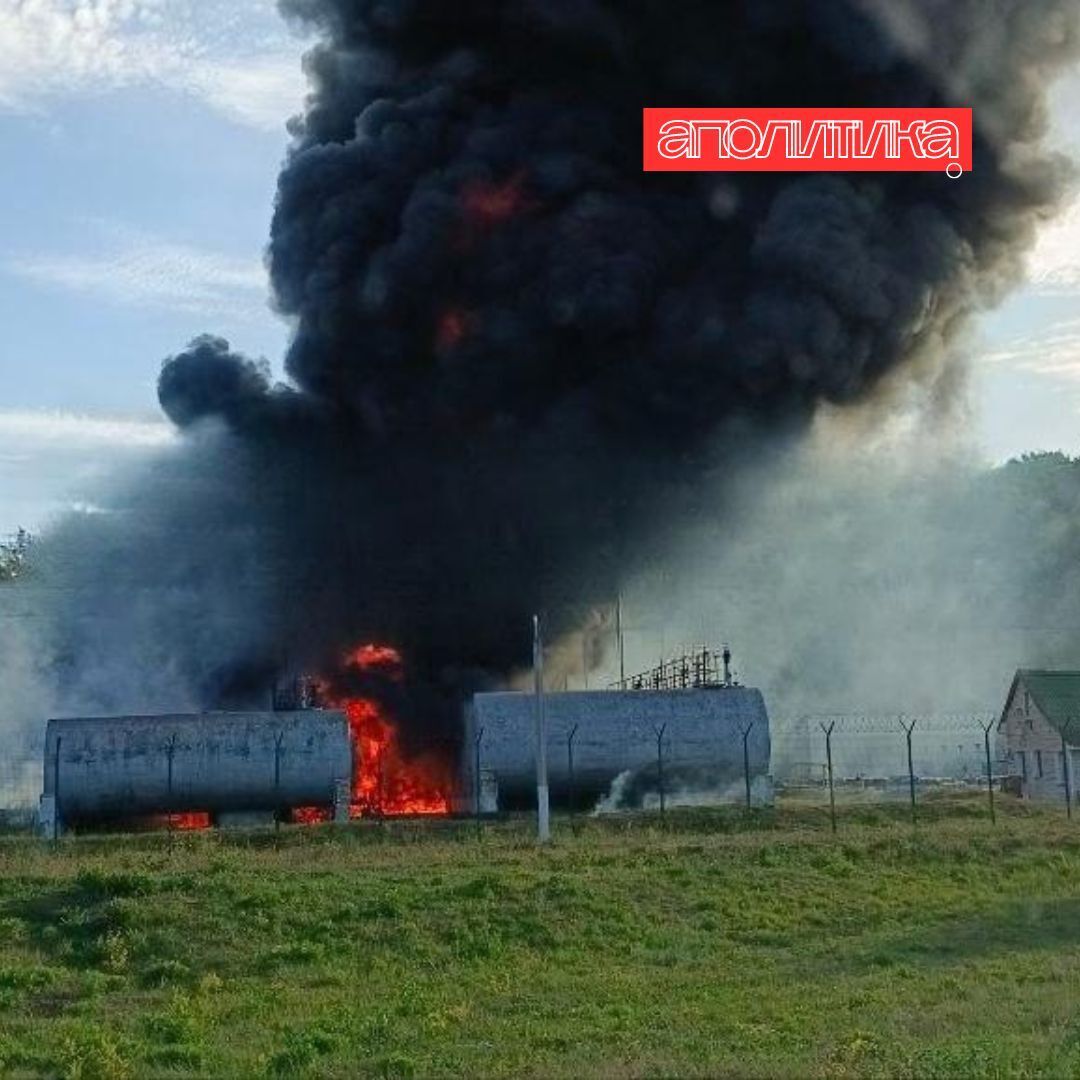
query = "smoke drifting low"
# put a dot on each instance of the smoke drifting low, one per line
(876, 587)
(516, 356)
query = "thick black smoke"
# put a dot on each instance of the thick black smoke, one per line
(516, 355)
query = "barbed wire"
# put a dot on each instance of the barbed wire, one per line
(885, 723)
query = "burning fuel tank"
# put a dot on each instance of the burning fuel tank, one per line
(122, 768)
(618, 749)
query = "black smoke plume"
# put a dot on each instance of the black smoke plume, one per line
(517, 358)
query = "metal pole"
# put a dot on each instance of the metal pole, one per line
(619, 638)
(908, 729)
(660, 765)
(278, 739)
(56, 791)
(570, 769)
(746, 761)
(1065, 765)
(476, 768)
(828, 758)
(543, 809)
(990, 771)
(169, 752)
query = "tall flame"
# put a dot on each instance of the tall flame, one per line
(386, 783)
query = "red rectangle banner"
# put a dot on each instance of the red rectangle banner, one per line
(808, 140)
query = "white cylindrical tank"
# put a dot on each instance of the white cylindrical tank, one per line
(121, 767)
(708, 740)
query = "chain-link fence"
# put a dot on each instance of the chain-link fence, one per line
(828, 761)
(20, 787)
(845, 759)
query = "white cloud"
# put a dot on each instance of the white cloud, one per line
(30, 429)
(1053, 352)
(263, 92)
(237, 57)
(50, 460)
(1054, 264)
(134, 268)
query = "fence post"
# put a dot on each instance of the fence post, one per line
(57, 819)
(477, 788)
(170, 750)
(279, 738)
(908, 729)
(570, 770)
(660, 765)
(380, 809)
(990, 770)
(1065, 764)
(828, 759)
(746, 760)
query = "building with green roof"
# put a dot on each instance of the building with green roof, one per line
(1039, 732)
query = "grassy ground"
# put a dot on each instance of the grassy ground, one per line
(709, 946)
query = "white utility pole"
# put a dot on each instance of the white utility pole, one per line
(619, 639)
(543, 808)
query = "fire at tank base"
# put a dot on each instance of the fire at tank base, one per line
(184, 772)
(685, 734)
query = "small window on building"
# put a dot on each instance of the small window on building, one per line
(1038, 764)
(1027, 703)
(1023, 766)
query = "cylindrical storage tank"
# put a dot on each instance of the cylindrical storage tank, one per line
(611, 738)
(123, 767)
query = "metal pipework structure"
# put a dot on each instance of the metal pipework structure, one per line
(120, 768)
(697, 669)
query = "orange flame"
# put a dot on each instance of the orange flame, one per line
(368, 657)
(192, 821)
(386, 783)
(487, 204)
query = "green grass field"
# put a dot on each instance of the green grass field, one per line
(706, 946)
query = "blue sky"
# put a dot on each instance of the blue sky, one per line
(140, 142)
